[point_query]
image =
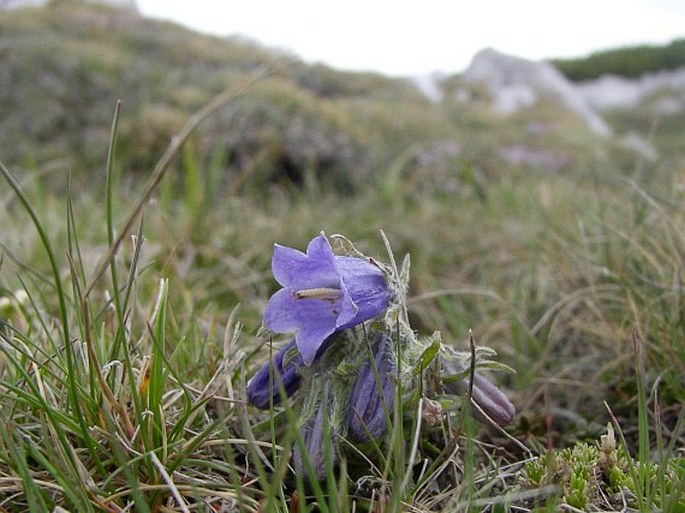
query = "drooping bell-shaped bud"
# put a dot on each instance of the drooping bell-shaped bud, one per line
(317, 436)
(373, 393)
(489, 399)
(264, 388)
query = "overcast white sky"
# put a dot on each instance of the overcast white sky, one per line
(410, 38)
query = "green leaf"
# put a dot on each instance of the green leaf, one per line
(427, 357)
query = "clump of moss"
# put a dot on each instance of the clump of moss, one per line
(603, 475)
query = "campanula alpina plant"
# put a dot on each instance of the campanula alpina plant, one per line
(354, 351)
(323, 294)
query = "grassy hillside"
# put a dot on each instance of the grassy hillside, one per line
(66, 66)
(131, 296)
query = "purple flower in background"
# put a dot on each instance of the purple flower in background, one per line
(322, 293)
(259, 391)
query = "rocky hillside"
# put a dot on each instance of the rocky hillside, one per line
(65, 66)
(515, 84)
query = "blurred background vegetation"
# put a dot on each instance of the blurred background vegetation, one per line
(629, 62)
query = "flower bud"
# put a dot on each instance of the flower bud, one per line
(367, 413)
(263, 389)
(313, 437)
(489, 400)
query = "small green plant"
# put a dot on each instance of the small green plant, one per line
(602, 474)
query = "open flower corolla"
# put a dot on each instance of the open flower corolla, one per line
(322, 293)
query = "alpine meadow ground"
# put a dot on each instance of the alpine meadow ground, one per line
(131, 316)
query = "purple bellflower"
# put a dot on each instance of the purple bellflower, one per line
(370, 397)
(259, 391)
(322, 293)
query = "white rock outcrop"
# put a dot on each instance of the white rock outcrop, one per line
(516, 83)
(613, 92)
(430, 85)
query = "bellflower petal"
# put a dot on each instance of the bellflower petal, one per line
(279, 315)
(294, 269)
(322, 293)
(348, 309)
(284, 312)
(366, 285)
(310, 337)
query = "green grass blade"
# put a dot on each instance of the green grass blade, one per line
(15, 457)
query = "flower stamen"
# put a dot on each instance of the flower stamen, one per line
(322, 293)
